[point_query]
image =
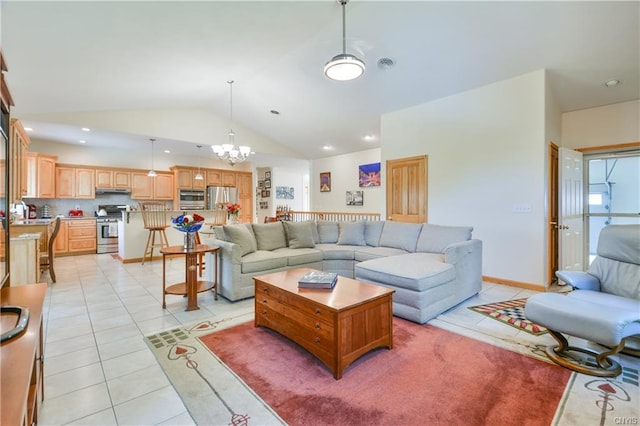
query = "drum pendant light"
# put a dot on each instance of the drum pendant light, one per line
(344, 67)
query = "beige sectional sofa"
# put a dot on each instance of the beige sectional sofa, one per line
(432, 268)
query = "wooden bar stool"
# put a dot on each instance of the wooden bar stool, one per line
(154, 215)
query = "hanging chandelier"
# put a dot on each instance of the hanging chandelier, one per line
(229, 152)
(344, 66)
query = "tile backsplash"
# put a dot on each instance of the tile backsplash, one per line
(61, 206)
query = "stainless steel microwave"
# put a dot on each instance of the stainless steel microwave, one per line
(192, 199)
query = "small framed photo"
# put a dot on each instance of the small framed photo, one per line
(264, 193)
(268, 193)
(267, 175)
(355, 198)
(325, 182)
(260, 184)
(267, 183)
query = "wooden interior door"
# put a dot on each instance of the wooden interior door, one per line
(571, 210)
(407, 189)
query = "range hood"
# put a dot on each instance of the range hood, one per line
(113, 191)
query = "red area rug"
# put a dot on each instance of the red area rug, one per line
(431, 376)
(510, 312)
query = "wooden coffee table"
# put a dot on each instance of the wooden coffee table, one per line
(337, 326)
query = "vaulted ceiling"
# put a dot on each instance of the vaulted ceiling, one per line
(67, 59)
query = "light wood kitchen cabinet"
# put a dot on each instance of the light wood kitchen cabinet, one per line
(41, 175)
(229, 179)
(81, 235)
(75, 182)
(185, 178)
(214, 178)
(144, 187)
(19, 146)
(110, 179)
(245, 195)
(61, 243)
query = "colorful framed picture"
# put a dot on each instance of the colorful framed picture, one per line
(355, 198)
(369, 174)
(325, 182)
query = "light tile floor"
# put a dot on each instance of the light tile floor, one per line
(98, 369)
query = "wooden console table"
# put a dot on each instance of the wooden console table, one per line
(191, 285)
(21, 372)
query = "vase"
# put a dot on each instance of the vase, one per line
(233, 219)
(189, 240)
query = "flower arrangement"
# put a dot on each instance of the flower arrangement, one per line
(188, 223)
(233, 209)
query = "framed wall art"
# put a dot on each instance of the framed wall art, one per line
(325, 182)
(285, 192)
(369, 174)
(355, 198)
(267, 183)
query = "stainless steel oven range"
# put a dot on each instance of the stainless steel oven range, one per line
(107, 218)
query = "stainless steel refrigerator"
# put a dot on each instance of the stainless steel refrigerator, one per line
(218, 196)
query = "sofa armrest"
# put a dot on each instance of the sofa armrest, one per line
(579, 280)
(455, 252)
(228, 251)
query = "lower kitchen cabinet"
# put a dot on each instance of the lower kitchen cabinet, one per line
(76, 236)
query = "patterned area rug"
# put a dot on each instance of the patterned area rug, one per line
(510, 312)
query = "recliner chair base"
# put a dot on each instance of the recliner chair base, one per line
(604, 366)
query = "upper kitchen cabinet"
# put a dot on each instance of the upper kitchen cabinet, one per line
(18, 148)
(229, 179)
(41, 175)
(113, 179)
(75, 182)
(214, 177)
(185, 178)
(144, 187)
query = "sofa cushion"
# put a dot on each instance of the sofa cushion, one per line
(300, 256)
(400, 235)
(327, 231)
(218, 232)
(314, 230)
(368, 253)
(242, 236)
(435, 238)
(299, 234)
(262, 260)
(351, 233)
(413, 271)
(372, 232)
(334, 251)
(269, 236)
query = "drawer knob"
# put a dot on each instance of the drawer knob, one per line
(317, 325)
(317, 340)
(264, 312)
(264, 301)
(317, 311)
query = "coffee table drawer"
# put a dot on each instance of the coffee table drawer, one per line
(311, 323)
(304, 306)
(317, 341)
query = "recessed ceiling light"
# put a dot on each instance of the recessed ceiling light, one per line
(612, 83)
(82, 141)
(369, 137)
(327, 147)
(86, 129)
(385, 63)
(166, 151)
(28, 129)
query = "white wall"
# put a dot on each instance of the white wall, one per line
(486, 150)
(344, 177)
(606, 125)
